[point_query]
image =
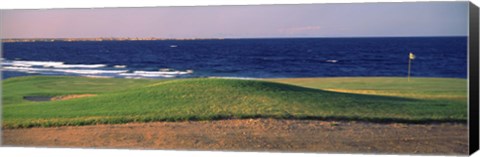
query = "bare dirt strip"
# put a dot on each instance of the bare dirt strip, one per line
(255, 135)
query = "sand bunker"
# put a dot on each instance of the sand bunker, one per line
(73, 96)
(57, 98)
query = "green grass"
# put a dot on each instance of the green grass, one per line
(127, 100)
(15, 88)
(418, 88)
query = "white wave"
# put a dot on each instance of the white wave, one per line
(82, 71)
(146, 75)
(71, 71)
(20, 69)
(38, 63)
(164, 69)
(235, 78)
(78, 66)
(15, 64)
(162, 72)
(49, 64)
(119, 66)
(331, 61)
(87, 70)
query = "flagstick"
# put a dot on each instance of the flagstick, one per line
(409, 61)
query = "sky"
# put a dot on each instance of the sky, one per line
(260, 21)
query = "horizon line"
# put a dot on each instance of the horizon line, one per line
(204, 38)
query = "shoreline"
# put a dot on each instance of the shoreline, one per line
(14, 40)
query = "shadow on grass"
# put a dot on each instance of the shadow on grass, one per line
(274, 86)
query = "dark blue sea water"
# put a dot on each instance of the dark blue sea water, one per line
(257, 58)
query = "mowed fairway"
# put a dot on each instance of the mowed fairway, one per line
(126, 100)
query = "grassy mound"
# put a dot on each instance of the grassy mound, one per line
(124, 100)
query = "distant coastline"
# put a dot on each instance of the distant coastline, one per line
(96, 39)
(10, 40)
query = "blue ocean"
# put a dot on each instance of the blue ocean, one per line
(242, 58)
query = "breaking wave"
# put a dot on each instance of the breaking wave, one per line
(87, 70)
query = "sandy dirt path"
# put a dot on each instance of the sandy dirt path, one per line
(254, 135)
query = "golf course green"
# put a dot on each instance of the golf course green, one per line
(115, 101)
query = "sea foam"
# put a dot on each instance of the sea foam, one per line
(86, 70)
(49, 64)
